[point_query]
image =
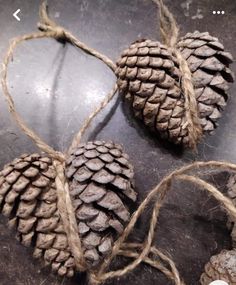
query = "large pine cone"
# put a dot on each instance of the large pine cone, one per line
(232, 194)
(100, 180)
(221, 267)
(149, 75)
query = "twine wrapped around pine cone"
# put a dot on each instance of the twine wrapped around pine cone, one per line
(221, 266)
(178, 89)
(100, 183)
(86, 173)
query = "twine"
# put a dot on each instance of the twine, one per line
(64, 202)
(140, 252)
(48, 25)
(169, 33)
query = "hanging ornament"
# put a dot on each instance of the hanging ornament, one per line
(158, 80)
(71, 207)
(100, 186)
(178, 88)
(221, 266)
(74, 208)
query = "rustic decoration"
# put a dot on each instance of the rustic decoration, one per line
(100, 181)
(178, 88)
(221, 266)
(73, 205)
(149, 74)
(232, 194)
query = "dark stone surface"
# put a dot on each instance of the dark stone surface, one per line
(55, 87)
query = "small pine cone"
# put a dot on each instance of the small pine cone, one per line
(148, 73)
(101, 186)
(28, 198)
(221, 267)
(232, 194)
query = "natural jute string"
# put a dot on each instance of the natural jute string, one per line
(169, 32)
(47, 24)
(139, 252)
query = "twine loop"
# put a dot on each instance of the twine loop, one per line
(65, 207)
(139, 252)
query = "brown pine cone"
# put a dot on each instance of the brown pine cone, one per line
(100, 179)
(232, 194)
(221, 267)
(101, 184)
(29, 199)
(149, 75)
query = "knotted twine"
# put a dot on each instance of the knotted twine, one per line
(169, 33)
(139, 252)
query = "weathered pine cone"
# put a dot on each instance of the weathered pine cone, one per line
(221, 267)
(232, 194)
(100, 180)
(148, 73)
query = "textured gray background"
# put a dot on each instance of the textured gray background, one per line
(55, 87)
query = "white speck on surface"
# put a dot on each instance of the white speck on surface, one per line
(57, 15)
(198, 15)
(84, 6)
(129, 22)
(186, 5)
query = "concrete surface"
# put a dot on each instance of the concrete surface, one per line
(55, 87)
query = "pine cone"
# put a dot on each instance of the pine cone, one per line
(100, 179)
(28, 197)
(221, 267)
(149, 75)
(232, 194)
